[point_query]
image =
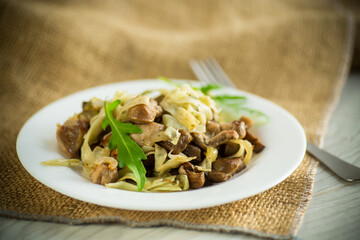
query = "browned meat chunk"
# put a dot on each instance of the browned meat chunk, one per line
(238, 126)
(104, 171)
(225, 168)
(193, 151)
(258, 146)
(184, 139)
(143, 113)
(212, 128)
(223, 137)
(199, 140)
(70, 136)
(196, 179)
(149, 129)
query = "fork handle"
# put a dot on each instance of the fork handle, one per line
(343, 169)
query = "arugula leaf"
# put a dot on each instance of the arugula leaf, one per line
(230, 100)
(129, 153)
(208, 87)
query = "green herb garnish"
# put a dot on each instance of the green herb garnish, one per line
(208, 87)
(229, 100)
(129, 153)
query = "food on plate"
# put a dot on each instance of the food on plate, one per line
(158, 141)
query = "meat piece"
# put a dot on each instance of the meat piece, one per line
(70, 135)
(248, 121)
(193, 151)
(196, 179)
(199, 140)
(212, 128)
(229, 149)
(149, 129)
(225, 168)
(258, 146)
(104, 171)
(141, 113)
(184, 139)
(222, 137)
(238, 126)
(144, 113)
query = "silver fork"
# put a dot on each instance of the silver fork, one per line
(210, 72)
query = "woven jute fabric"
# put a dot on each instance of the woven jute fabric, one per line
(294, 53)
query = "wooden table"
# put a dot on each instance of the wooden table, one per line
(333, 213)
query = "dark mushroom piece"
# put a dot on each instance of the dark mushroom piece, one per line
(149, 165)
(229, 149)
(184, 139)
(225, 168)
(222, 137)
(199, 140)
(193, 151)
(258, 146)
(196, 179)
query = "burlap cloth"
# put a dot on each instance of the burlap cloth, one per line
(295, 53)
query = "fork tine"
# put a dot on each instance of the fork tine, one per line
(207, 72)
(213, 72)
(219, 72)
(197, 69)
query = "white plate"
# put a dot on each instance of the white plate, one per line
(283, 136)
